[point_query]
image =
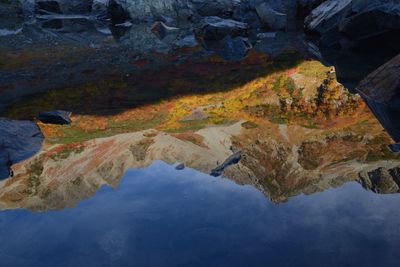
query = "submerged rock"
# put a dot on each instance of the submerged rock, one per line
(55, 117)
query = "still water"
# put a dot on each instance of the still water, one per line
(159, 216)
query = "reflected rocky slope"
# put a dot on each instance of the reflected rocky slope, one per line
(292, 131)
(225, 87)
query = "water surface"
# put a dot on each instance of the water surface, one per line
(158, 216)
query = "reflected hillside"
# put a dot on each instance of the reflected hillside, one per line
(297, 130)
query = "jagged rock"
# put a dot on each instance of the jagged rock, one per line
(271, 17)
(216, 28)
(304, 7)
(19, 140)
(381, 91)
(55, 117)
(233, 159)
(327, 16)
(381, 181)
(161, 30)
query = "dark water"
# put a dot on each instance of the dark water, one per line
(159, 216)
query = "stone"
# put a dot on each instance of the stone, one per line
(55, 117)
(180, 167)
(231, 160)
(272, 18)
(118, 12)
(216, 28)
(327, 16)
(233, 49)
(213, 8)
(161, 30)
(19, 140)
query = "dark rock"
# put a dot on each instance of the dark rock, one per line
(272, 18)
(233, 49)
(215, 28)
(117, 12)
(55, 117)
(381, 92)
(356, 36)
(327, 16)
(233, 159)
(19, 140)
(47, 7)
(304, 7)
(161, 30)
(186, 41)
(213, 8)
(382, 181)
(395, 148)
(180, 167)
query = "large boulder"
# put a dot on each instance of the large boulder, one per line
(233, 49)
(215, 28)
(271, 16)
(381, 91)
(327, 16)
(356, 36)
(19, 140)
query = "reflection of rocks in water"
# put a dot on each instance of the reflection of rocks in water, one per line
(19, 140)
(356, 36)
(277, 160)
(381, 91)
(383, 181)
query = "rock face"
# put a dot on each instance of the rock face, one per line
(383, 181)
(381, 91)
(271, 17)
(356, 36)
(19, 140)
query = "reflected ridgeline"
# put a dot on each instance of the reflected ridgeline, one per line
(182, 67)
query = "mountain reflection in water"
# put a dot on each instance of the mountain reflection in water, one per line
(158, 216)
